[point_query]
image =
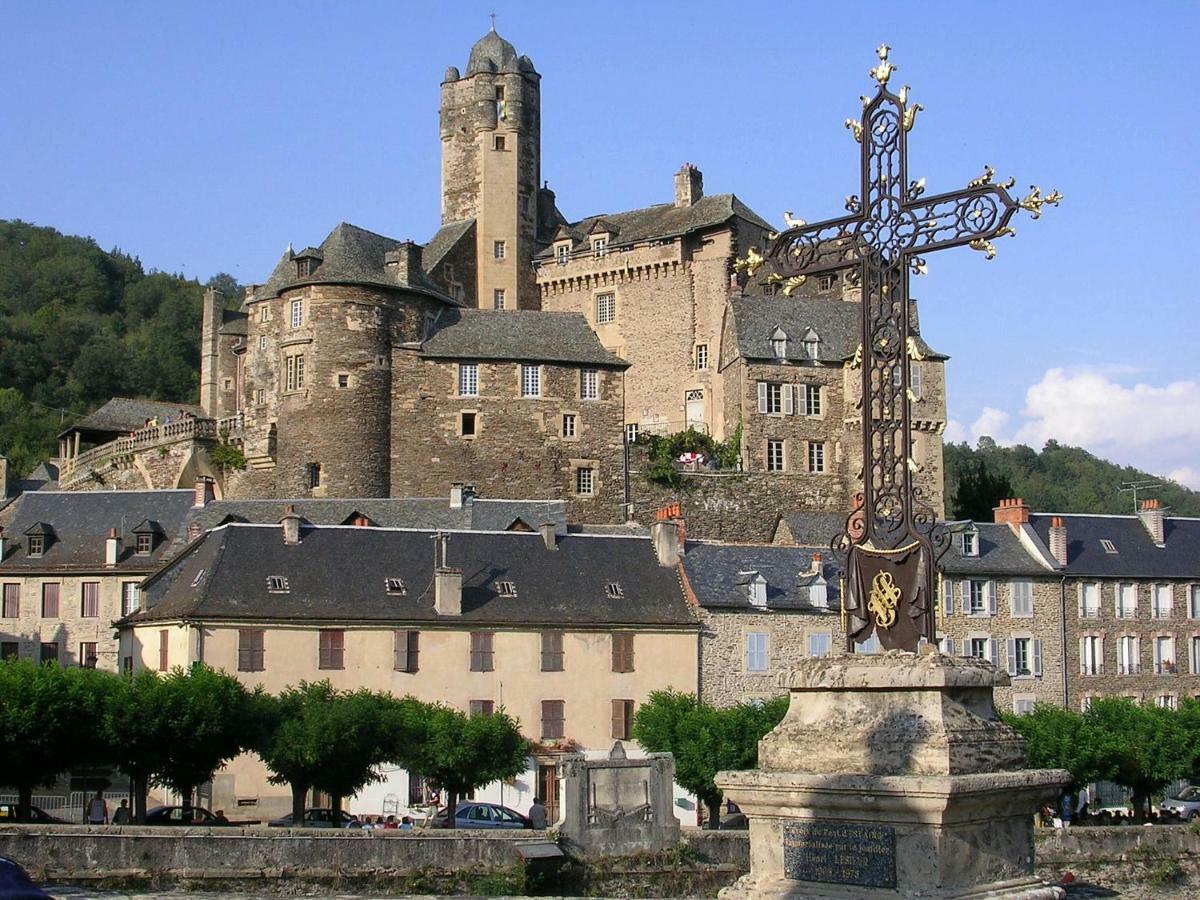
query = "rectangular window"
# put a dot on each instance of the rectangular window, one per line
(480, 707)
(622, 719)
(468, 379)
(1022, 664)
(825, 283)
(970, 543)
(406, 650)
(1022, 599)
(1129, 657)
(568, 425)
(497, 142)
(262, 342)
(89, 599)
(260, 396)
(812, 399)
(467, 424)
(1022, 706)
(164, 641)
(49, 652)
(293, 372)
(947, 597)
(1126, 601)
(331, 649)
(631, 432)
(622, 651)
(1091, 655)
(1195, 658)
(552, 651)
(9, 650)
(498, 249)
(498, 297)
(1089, 601)
(701, 357)
(50, 601)
(531, 381)
(599, 247)
(88, 654)
(589, 384)
(976, 599)
(482, 654)
(585, 482)
(775, 458)
(820, 644)
(981, 648)
(816, 456)
(250, 649)
(1164, 601)
(770, 398)
(144, 544)
(37, 544)
(343, 380)
(131, 597)
(297, 309)
(606, 308)
(264, 313)
(313, 473)
(756, 651)
(12, 601)
(562, 254)
(1194, 601)
(553, 719)
(1164, 655)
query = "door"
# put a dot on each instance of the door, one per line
(547, 789)
(693, 404)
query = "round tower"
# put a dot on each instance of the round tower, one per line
(491, 166)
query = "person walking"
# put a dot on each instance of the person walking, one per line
(121, 815)
(1066, 810)
(537, 814)
(97, 810)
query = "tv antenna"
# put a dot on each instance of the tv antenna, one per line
(1132, 487)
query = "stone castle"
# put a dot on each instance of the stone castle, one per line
(523, 353)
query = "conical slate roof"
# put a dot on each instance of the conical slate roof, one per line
(493, 53)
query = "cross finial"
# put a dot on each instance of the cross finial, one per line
(492, 16)
(882, 72)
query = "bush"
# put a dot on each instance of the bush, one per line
(226, 456)
(664, 450)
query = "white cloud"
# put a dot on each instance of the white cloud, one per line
(955, 432)
(1186, 475)
(991, 422)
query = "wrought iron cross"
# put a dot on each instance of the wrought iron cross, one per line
(892, 539)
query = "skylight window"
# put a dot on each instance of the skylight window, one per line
(613, 591)
(277, 584)
(1108, 546)
(506, 589)
(395, 587)
(196, 580)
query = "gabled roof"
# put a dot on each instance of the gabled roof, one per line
(529, 335)
(443, 242)
(1000, 552)
(339, 575)
(718, 575)
(811, 529)
(662, 221)
(1137, 555)
(147, 526)
(233, 322)
(123, 414)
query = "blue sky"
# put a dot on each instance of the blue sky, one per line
(205, 137)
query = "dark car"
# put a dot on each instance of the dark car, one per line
(734, 819)
(481, 815)
(15, 883)
(182, 815)
(319, 818)
(38, 816)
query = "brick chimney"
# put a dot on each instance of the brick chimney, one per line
(204, 492)
(1058, 540)
(1011, 512)
(291, 525)
(447, 591)
(548, 536)
(815, 568)
(403, 265)
(112, 548)
(689, 185)
(1151, 515)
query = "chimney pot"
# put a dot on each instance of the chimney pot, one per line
(1011, 511)
(456, 495)
(666, 535)
(112, 548)
(1058, 540)
(1152, 517)
(291, 525)
(204, 492)
(548, 536)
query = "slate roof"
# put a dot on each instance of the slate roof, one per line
(396, 512)
(338, 575)
(443, 242)
(1000, 553)
(836, 323)
(233, 322)
(714, 570)
(121, 415)
(493, 53)
(813, 529)
(1137, 556)
(350, 255)
(665, 220)
(519, 334)
(81, 520)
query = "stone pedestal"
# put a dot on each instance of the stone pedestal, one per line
(892, 776)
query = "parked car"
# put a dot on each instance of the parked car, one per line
(38, 816)
(734, 819)
(15, 883)
(481, 815)
(319, 818)
(1186, 806)
(179, 815)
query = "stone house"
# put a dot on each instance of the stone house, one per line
(72, 563)
(569, 633)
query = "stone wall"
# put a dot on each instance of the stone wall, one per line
(156, 468)
(1150, 861)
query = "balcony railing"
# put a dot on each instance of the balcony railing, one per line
(1163, 612)
(1129, 668)
(188, 428)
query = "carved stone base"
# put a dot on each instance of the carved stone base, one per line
(892, 776)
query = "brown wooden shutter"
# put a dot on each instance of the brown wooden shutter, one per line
(163, 638)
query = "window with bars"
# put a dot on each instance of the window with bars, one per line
(552, 651)
(88, 654)
(1129, 655)
(506, 589)
(1091, 655)
(406, 651)
(622, 651)
(756, 651)
(606, 308)
(553, 719)
(10, 607)
(331, 649)
(293, 372)
(480, 707)
(613, 590)
(775, 458)
(277, 584)
(250, 649)
(482, 653)
(297, 313)
(589, 384)
(1089, 601)
(816, 456)
(531, 381)
(89, 599)
(313, 474)
(131, 597)
(622, 719)
(1022, 599)
(395, 587)
(1164, 655)
(585, 481)
(498, 298)
(50, 601)
(1126, 601)
(468, 379)
(701, 357)
(1164, 601)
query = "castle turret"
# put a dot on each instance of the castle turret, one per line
(491, 165)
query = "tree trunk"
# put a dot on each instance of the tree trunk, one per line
(25, 803)
(335, 804)
(451, 807)
(714, 813)
(139, 799)
(299, 795)
(186, 797)
(1139, 807)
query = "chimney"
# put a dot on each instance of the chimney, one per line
(815, 568)
(456, 495)
(193, 531)
(548, 535)
(291, 525)
(1151, 515)
(204, 492)
(3, 478)
(689, 185)
(403, 265)
(665, 534)
(211, 317)
(112, 548)
(361, 521)
(1058, 540)
(1011, 512)
(447, 591)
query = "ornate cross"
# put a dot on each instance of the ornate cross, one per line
(892, 540)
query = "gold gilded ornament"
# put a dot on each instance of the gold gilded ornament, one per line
(883, 599)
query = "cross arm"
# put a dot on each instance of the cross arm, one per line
(814, 249)
(977, 214)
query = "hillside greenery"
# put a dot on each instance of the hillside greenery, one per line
(79, 325)
(1058, 479)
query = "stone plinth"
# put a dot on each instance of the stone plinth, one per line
(892, 776)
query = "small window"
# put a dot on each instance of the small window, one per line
(825, 283)
(622, 651)
(756, 591)
(260, 396)
(37, 544)
(599, 247)
(406, 650)
(562, 254)
(498, 249)
(779, 347)
(144, 544)
(297, 311)
(468, 379)
(1108, 546)
(264, 313)
(613, 591)
(622, 719)
(970, 543)
(498, 298)
(314, 475)
(523, 204)
(631, 432)
(497, 142)
(196, 580)
(467, 424)
(331, 649)
(506, 589)
(343, 380)
(812, 347)
(277, 584)
(568, 425)
(262, 342)
(481, 707)
(775, 459)
(701, 357)
(816, 456)
(585, 481)
(395, 587)
(589, 384)
(227, 384)
(531, 381)
(606, 308)
(552, 651)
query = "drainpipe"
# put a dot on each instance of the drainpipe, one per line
(1062, 630)
(625, 446)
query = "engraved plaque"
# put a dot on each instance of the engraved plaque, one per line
(840, 853)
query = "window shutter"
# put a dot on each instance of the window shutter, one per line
(1100, 655)
(1082, 659)
(748, 663)
(949, 646)
(947, 597)
(762, 397)
(991, 593)
(966, 598)
(618, 719)
(993, 651)
(1011, 650)
(1037, 657)
(1079, 590)
(789, 402)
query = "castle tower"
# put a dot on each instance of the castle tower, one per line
(491, 164)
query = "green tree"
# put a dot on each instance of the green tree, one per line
(458, 752)
(979, 492)
(133, 729)
(1059, 739)
(704, 739)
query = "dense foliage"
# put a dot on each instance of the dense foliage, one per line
(705, 739)
(665, 450)
(1059, 479)
(79, 325)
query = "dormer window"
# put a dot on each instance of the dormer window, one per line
(37, 544)
(277, 584)
(779, 343)
(395, 587)
(562, 254)
(196, 580)
(613, 591)
(145, 543)
(303, 268)
(812, 344)
(599, 247)
(970, 542)
(755, 586)
(506, 589)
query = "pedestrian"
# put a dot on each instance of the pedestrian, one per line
(97, 810)
(218, 817)
(121, 816)
(391, 823)
(1066, 810)
(537, 814)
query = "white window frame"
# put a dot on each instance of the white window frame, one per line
(569, 425)
(499, 298)
(776, 455)
(1087, 590)
(1021, 593)
(499, 250)
(1165, 664)
(816, 457)
(819, 643)
(296, 317)
(468, 379)
(585, 481)
(771, 397)
(1125, 600)
(562, 254)
(1159, 592)
(631, 432)
(1091, 654)
(599, 247)
(757, 655)
(131, 597)
(589, 384)
(1193, 598)
(970, 543)
(701, 357)
(1129, 655)
(1194, 655)
(294, 373)
(606, 307)
(531, 380)
(812, 399)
